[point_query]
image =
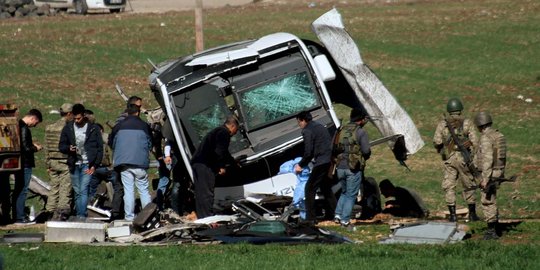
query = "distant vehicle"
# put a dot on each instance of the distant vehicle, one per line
(83, 6)
(265, 83)
(10, 147)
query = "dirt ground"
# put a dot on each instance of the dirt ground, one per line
(159, 6)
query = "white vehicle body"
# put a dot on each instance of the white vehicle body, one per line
(83, 6)
(266, 82)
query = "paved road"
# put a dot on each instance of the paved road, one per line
(141, 6)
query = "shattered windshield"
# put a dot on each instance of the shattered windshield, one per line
(207, 119)
(279, 99)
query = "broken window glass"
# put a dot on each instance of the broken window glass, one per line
(207, 120)
(279, 99)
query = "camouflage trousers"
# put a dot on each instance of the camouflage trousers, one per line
(455, 170)
(489, 205)
(60, 181)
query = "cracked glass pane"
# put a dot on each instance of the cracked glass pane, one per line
(207, 120)
(278, 99)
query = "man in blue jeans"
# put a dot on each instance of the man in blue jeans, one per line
(81, 141)
(22, 177)
(131, 143)
(351, 150)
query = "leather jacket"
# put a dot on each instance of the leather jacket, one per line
(27, 146)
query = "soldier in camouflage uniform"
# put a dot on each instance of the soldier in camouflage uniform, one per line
(454, 165)
(59, 200)
(491, 162)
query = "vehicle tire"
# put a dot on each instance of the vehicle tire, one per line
(81, 7)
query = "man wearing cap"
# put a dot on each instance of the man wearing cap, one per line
(351, 150)
(59, 200)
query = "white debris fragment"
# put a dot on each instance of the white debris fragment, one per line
(528, 100)
(162, 24)
(520, 97)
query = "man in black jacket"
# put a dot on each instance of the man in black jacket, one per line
(317, 149)
(212, 158)
(82, 142)
(22, 178)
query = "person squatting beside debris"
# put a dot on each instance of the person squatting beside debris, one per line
(491, 162)
(82, 142)
(455, 167)
(59, 199)
(212, 159)
(405, 203)
(104, 171)
(131, 143)
(317, 149)
(23, 176)
(351, 151)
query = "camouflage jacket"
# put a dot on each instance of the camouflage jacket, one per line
(491, 153)
(464, 129)
(52, 138)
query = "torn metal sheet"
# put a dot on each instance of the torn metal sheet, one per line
(427, 233)
(39, 186)
(384, 111)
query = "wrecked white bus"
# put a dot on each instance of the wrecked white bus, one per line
(265, 82)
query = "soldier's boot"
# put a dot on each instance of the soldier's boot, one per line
(453, 216)
(491, 233)
(472, 213)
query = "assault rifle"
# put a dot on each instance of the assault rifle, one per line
(494, 182)
(463, 150)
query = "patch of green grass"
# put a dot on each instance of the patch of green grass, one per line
(463, 255)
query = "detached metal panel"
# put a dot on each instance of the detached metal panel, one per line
(79, 232)
(386, 114)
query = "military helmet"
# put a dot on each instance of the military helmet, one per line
(482, 118)
(454, 105)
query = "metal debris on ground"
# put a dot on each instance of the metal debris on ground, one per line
(427, 233)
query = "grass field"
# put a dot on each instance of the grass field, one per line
(484, 51)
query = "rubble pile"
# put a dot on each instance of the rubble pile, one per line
(22, 8)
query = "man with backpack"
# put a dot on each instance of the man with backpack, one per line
(351, 150)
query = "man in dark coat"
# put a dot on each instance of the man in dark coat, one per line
(212, 158)
(81, 141)
(317, 149)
